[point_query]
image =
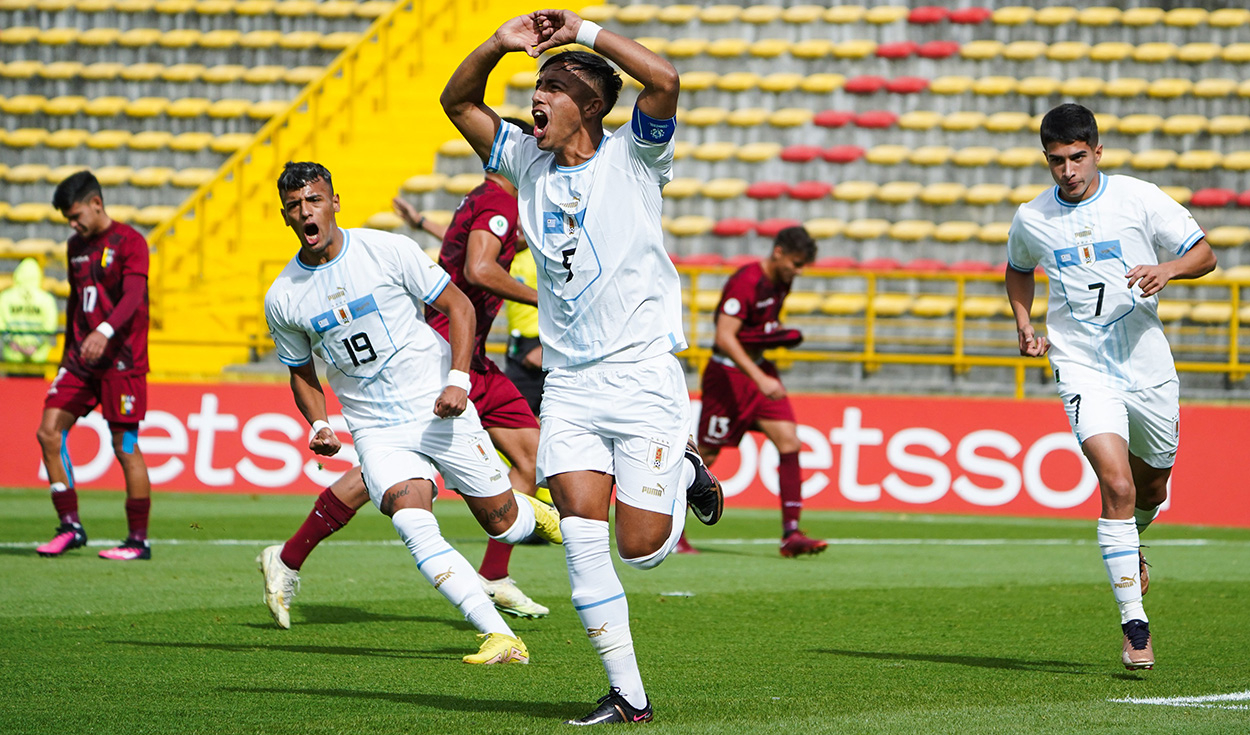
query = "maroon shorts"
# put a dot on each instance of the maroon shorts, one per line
(499, 404)
(123, 399)
(732, 403)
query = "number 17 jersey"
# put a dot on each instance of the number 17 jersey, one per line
(362, 313)
(1101, 331)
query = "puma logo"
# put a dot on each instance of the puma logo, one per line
(596, 632)
(440, 578)
(1125, 582)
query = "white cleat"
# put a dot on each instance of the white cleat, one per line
(509, 598)
(281, 585)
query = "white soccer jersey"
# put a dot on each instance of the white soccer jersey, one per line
(1100, 331)
(361, 313)
(607, 288)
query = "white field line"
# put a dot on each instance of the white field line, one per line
(1211, 701)
(701, 542)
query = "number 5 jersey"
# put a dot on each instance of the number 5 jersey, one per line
(362, 313)
(1101, 331)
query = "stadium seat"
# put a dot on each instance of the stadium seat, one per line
(843, 154)
(1228, 236)
(854, 191)
(809, 190)
(766, 190)
(844, 304)
(770, 227)
(865, 229)
(834, 119)
(824, 228)
(933, 306)
(886, 155)
(734, 227)
(690, 225)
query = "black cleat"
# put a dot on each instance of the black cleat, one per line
(613, 709)
(704, 496)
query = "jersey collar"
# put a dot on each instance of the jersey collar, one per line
(584, 164)
(1102, 187)
(347, 240)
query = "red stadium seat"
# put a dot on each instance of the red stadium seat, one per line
(1213, 198)
(1243, 199)
(876, 119)
(833, 118)
(843, 154)
(970, 16)
(703, 259)
(770, 227)
(737, 261)
(879, 264)
(969, 266)
(810, 190)
(733, 227)
(800, 153)
(938, 49)
(767, 189)
(927, 15)
(867, 84)
(925, 265)
(907, 85)
(897, 49)
(838, 262)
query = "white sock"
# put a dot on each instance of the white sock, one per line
(448, 571)
(1119, 544)
(599, 600)
(58, 487)
(1144, 518)
(523, 527)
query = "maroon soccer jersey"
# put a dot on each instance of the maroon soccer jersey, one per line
(749, 295)
(489, 208)
(97, 268)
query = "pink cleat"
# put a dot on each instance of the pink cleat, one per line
(68, 536)
(797, 543)
(132, 550)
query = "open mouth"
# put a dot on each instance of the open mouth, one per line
(540, 123)
(312, 233)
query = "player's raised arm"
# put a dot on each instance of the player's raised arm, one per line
(310, 399)
(463, 98)
(659, 80)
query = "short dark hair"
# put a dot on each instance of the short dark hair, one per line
(796, 241)
(298, 175)
(525, 127)
(1069, 123)
(600, 73)
(76, 188)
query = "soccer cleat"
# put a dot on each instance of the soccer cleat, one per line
(130, 550)
(498, 648)
(683, 546)
(1144, 576)
(546, 520)
(281, 585)
(1138, 653)
(68, 536)
(797, 543)
(613, 708)
(704, 496)
(510, 599)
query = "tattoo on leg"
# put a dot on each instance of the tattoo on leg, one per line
(497, 515)
(388, 502)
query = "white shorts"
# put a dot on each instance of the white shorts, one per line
(1149, 420)
(629, 420)
(458, 448)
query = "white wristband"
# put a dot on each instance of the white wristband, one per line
(106, 329)
(587, 33)
(458, 379)
(318, 425)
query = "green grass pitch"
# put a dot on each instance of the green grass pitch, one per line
(907, 624)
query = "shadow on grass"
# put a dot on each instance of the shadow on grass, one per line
(436, 654)
(471, 703)
(315, 614)
(985, 662)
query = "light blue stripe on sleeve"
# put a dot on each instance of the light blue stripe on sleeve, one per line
(1191, 241)
(496, 148)
(437, 291)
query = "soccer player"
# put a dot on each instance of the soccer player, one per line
(349, 296)
(477, 248)
(105, 362)
(615, 406)
(1096, 237)
(524, 359)
(741, 389)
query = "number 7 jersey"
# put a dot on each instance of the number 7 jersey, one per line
(362, 314)
(1101, 331)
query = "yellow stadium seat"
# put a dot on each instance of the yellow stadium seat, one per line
(1228, 125)
(943, 194)
(230, 142)
(1013, 15)
(26, 137)
(1173, 311)
(424, 183)
(229, 108)
(682, 48)
(297, 40)
(949, 85)
(1115, 157)
(891, 304)
(65, 105)
(224, 73)
(930, 155)
(844, 304)
(974, 157)
(1037, 86)
(1098, 16)
(854, 49)
(373, 9)
(994, 233)
(1169, 88)
(66, 138)
(994, 86)
(462, 184)
(690, 225)
(1020, 157)
(60, 36)
(387, 221)
(1125, 87)
(146, 107)
(898, 192)
(781, 82)
(802, 302)
(617, 117)
(191, 178)
(677, 14)
(919, 120)
(824, 228)
(139, 37)
(986, 307)
(1067, 51)
(726, 48)
(729, 188)
(747, 117)
(222, 38)
(964, 120)
(843, 14)
(695, 81)
(260, 39)
(61, 70)
(183, 73)
(1185, 17)
(145, 72)
(331, 9)
(304, 75)
(1147, 16)
(1024, 194)
(154, 215)
(599, 13)
(1024, 50)
(714, 151)
(1081, 86)
(822, 83)
(931, 306)
(1228, 18)
(1007, 122)
(866, 229)
(812, 48)
(886, 155)
(1154, 53)
(885, 14)
(268, 109)
(1236, 53)
(854, 191)
(1239, 274)
(1153, 160)
(180, 37)
(802, 14)
(1184, 125)
(982, 50)
(149, 140)
(911, 230)
(1181, 194)
(1214, 87)
(956, 231)
(768, 48)
(1198, 160)
(98, 37)
(790, 117)
(151, 177)
(190, 142)
(1139, 124)
(456, 148)
(268, 74)
(702, 117)
(1198, 53)
(1211, 313)
(23, 104)
(1228, 236)
(758, 152)
(1108, 51)
(188, 107)
(760, 14)
(1055, 15)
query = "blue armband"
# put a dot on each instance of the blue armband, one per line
(649, 131)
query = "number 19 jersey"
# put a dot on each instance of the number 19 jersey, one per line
(361, 313)
(1101, 332)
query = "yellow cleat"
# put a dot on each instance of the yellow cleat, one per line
(546, 521)
(498, 648)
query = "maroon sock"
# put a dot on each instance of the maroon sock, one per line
(495, 560)
(790, 484)
(137, 512)
(66, 504)
(328, 515)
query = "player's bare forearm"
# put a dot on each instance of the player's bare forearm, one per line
(482, 269)
(416, 220)
(728, 343)
(1198, 261)
(309, 396)
(463, 98)
(462, 323)
(1020, 288)
(660, 82)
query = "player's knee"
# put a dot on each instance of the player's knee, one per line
(49, 438)
(648, 561)
(641, 553)
(1119, 487)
